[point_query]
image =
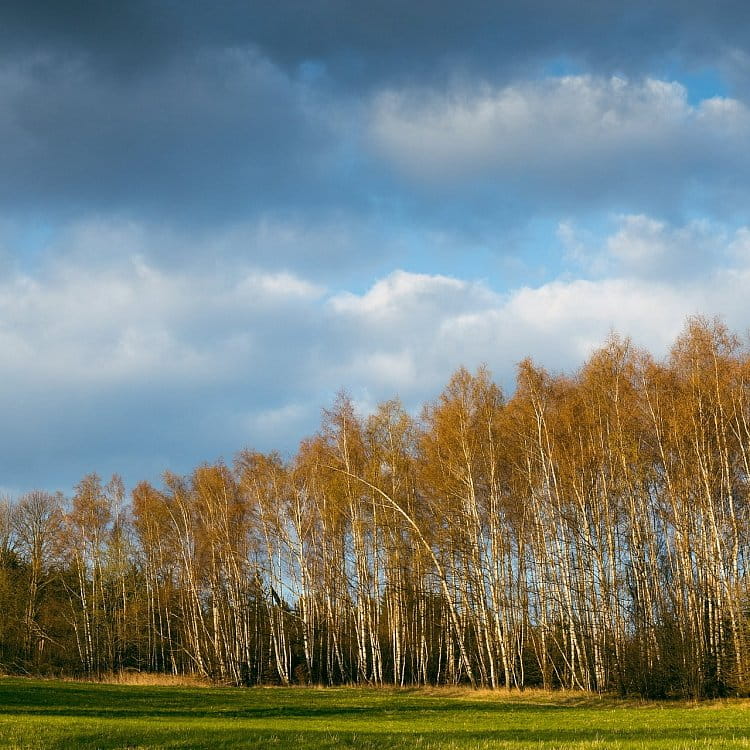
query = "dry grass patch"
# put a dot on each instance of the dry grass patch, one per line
(145, 679)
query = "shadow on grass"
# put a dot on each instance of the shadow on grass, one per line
(108, 701)
(226, 739)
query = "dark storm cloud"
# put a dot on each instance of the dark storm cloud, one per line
(366, 41)
(203, 112)
(224, 134)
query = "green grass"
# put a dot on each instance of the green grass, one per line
(46, 714)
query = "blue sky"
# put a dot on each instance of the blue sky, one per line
(215, 216)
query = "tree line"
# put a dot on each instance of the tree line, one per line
(590, 532)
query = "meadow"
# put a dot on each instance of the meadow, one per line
(57, 714)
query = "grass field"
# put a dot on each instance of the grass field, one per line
(46, 714)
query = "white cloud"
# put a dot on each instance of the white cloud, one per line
(276, 424)
(403, 294)
(563, 126)
(132, 320)
(239, 356)
(409, 331)
(558, 324)
(647, 248)
(739, 247)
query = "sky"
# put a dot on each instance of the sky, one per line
(216, 216)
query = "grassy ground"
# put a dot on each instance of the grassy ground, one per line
(45, 714)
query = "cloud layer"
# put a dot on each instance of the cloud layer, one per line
(214, 217)
(132, 360)
(572, 140)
